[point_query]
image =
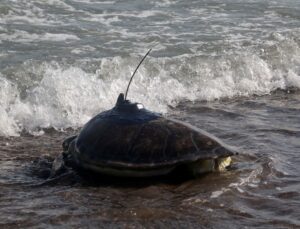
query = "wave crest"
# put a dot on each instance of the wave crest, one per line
(62, 96)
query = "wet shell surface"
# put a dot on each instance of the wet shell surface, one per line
(132, 141)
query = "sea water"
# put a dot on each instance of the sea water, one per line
(229, 67)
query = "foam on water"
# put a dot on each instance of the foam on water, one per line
(23, 37)
(32, 12)
(65, 96)
(79, 52)
(8, 95)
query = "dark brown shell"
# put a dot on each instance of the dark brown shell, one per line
(156, 143)
(129, 137)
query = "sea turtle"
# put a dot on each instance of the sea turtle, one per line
(131, 141)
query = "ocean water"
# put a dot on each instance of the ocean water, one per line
(230, 67)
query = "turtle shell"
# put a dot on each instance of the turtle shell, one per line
(131, 137)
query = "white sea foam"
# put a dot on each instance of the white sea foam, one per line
(67, 96)
(164, 3)
(218, 193)
(8, 95)
(24, 11)
(93, 2)
(83, 49)
(34, 12)
(23, 37)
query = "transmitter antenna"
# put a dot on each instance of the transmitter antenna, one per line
(135, 72)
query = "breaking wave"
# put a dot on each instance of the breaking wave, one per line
(58, 95)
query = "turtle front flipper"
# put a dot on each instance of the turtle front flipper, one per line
(60, 162)
(58, 167)
(68, 151)
(66, 143)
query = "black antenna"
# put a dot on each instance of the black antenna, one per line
(135, 72)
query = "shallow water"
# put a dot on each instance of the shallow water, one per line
(229, 67)
(261, 189)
